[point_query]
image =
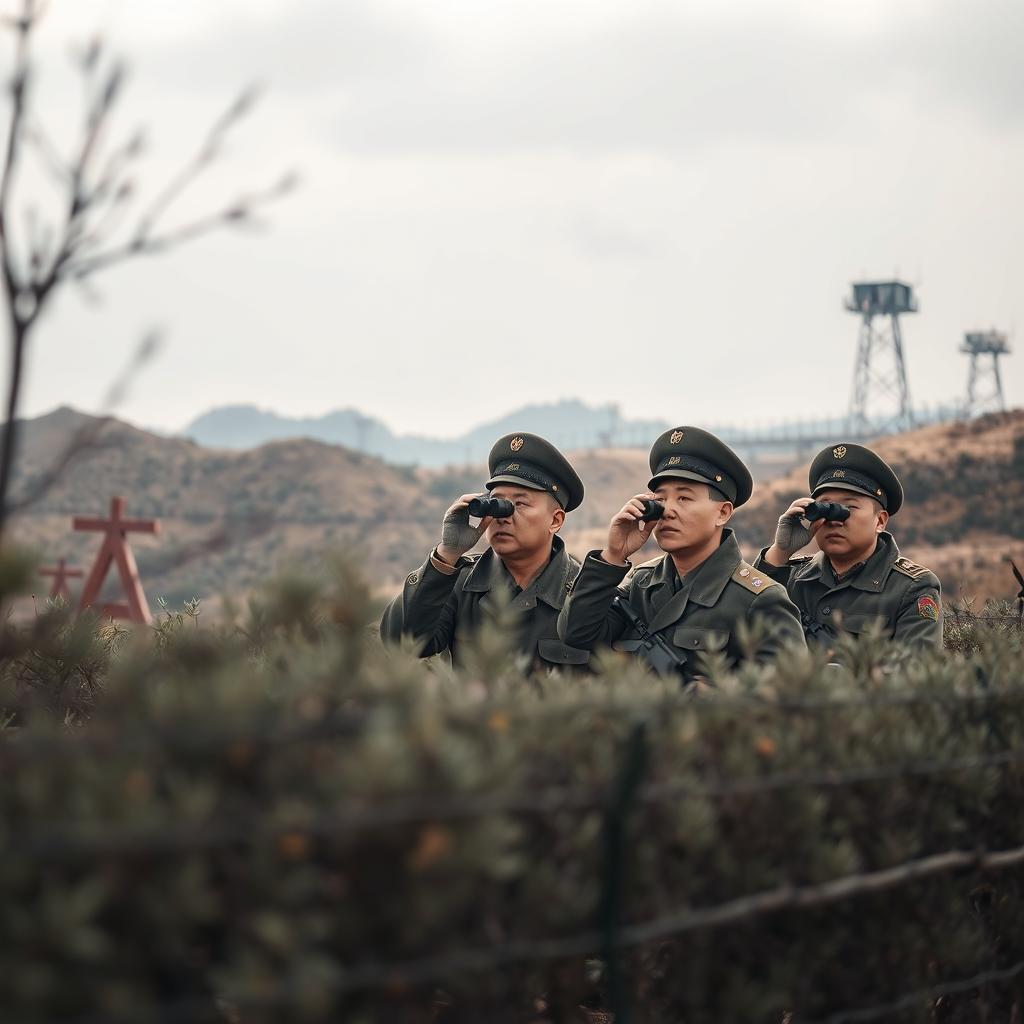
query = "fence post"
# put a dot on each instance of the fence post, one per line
(620, 801)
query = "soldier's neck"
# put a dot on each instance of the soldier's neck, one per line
(841, 566)
(688, 560)
(526, 566)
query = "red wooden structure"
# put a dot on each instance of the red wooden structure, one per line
(115, 551)
(61, 574)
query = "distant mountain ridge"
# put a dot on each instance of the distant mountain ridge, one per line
(570, 424)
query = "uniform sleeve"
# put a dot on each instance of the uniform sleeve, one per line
(587, 619)
(425, 610)
(919, 620)
(774, 613)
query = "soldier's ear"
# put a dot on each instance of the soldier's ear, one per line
(557, 516)
(882, 520)
(725, 511)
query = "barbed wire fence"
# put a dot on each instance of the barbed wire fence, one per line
(625, 792)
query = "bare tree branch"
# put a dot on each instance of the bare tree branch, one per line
(98, 192)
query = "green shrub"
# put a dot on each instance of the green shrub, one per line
(276, 819)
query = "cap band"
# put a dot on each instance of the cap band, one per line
(838, 477)
(531, 474)
(712, 474)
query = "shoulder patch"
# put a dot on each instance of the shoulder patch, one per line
(753, 579)
(909, 568)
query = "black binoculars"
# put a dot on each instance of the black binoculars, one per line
(496, 508)
(652, 509)
(830, 511)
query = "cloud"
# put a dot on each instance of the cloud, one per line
(396, 80)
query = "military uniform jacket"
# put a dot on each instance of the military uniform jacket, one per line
(441, 610)
(888, 589)
(704, 614)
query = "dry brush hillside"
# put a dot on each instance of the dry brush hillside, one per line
(231, 518)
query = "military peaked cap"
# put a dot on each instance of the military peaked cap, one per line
(689, 453)
(530, 461)
(852, 467)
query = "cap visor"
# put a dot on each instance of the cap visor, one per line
(838, 485)
(681, 474)
(512, 480)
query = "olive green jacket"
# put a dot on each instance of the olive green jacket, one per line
(442, 610)
(901, 596)
(704, 615)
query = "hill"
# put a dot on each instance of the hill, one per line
(230, 518)
(569, 424)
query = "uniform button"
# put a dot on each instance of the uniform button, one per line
(826, 610)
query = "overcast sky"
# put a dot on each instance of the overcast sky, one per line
(659, 205)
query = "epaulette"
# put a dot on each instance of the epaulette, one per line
(753, 579)
(909, 568)
(638, 570)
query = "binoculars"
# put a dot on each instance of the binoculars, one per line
(830, 511)
(497, 508)
(652, 509)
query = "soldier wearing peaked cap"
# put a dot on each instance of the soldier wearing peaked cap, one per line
(447, 598)
(857, 578)
(698, 595)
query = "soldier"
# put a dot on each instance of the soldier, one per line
(447, 598)
(698, 594)
(858, 576)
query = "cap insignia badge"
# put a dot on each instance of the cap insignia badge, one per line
(677, 436)
(838, 474)
(511, 467)
(516, 443)
(674, 461)
(839, 452)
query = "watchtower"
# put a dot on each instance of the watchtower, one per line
(880, 401)
(984, 383)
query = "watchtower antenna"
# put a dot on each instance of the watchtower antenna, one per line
(880, 401)
(984, 382)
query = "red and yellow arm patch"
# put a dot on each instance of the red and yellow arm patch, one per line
(928, 608)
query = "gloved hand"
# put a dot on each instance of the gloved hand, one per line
(457, 536)
(791, 534)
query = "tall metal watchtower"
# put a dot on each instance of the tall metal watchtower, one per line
(984, 383)
(880, 400)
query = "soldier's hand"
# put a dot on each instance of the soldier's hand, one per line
(457, 536)
(627, 532)
(792, 534)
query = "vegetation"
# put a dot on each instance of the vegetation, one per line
(274, 818)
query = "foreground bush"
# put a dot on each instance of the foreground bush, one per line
(278, 820)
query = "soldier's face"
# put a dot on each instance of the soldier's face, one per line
(691, 518)
(537, 518)
(856, 536)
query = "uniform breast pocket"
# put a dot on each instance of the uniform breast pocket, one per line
(690, 638)
(554, 652)
(857, 623)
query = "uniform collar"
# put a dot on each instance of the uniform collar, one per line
(704, 585)
(870, 577)
(490, 573)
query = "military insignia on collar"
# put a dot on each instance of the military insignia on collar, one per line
(839, 452)
(677, 436)
(516, 443)
(928, 608)
(674, 461)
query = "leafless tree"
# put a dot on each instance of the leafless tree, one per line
(104, 221)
